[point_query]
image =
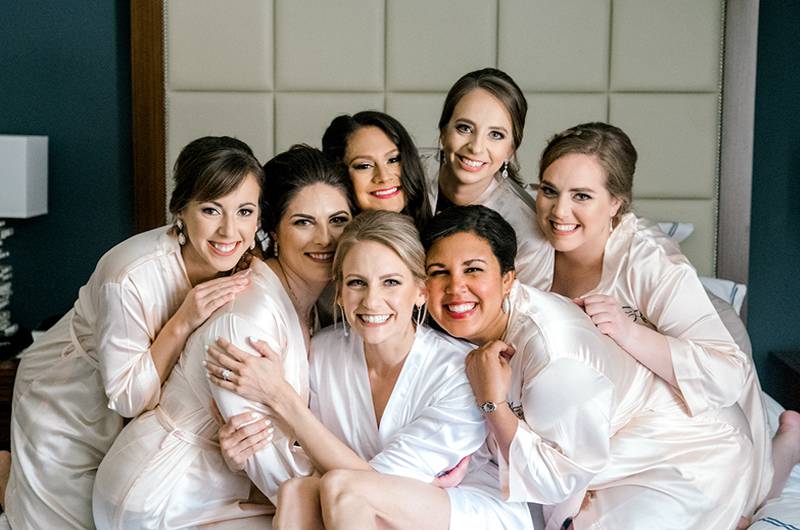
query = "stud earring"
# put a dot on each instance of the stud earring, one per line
(504, 172)
(179, 230)
(506, 307)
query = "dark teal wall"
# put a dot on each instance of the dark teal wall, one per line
(65, 73)
(774, 295)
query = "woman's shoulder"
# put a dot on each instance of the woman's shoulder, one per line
(147, 250)
(642, 241)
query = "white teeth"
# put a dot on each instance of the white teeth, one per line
(461, 308)
(224, 247)
(324, 256)
(374, 319)
(388, 191)
(565, 228)
(472, 163)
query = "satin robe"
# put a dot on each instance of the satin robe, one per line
(517, 206)
(430, 422)
(599, 427)
(75, 384)
(646, 272)
(165, 470)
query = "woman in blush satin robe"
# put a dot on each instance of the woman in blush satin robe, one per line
(165, 469)
(577, 424)
(639, 288)
(108, 357)
(391, 407)
(480, 129)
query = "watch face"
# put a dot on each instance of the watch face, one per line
(488, 407)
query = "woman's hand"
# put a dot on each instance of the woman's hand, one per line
(255, 378)
(452, 477)
(609, 317)
(489, 373)
(207, 297)
(242, 436)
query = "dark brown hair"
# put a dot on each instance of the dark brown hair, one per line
(412, 177)
(211, 167)
(613, 150)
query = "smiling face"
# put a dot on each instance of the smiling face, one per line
(219, 231)
(309, 229)
(466, 287)
(378, 294)
(373, 162)
(573, 207)
(477, 139)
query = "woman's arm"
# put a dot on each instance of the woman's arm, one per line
(261, 379)
(132, 363)
(200, 302)
(440, 435)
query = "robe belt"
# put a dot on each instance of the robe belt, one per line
(190, 438)
(76, 345)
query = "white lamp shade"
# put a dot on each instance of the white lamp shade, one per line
(23, 176)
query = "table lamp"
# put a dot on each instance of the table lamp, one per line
(23, 194)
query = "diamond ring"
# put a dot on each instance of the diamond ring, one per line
(226, 374)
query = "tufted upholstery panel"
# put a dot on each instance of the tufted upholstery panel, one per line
(275, 72)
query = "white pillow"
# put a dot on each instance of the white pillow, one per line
(728, 290)
(677, 231)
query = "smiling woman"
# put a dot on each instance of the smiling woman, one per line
(480, 129)
(109, 356)
(185, 481)
(382, 161)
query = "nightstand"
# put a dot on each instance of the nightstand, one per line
(784, 371)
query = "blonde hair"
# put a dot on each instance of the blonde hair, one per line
(393, 230)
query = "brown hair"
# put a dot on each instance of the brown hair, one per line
(211, 167)
(500, 85)
(612, 148)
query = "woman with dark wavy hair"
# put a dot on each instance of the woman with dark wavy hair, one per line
(382, 161)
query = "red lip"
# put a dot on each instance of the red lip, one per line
(395, 193)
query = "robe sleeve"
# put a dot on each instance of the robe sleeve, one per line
(282, 459)
(709, 367)
(130, 378)
(443, 432)
(563, 442)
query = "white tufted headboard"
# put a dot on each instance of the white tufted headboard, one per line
(275, 72)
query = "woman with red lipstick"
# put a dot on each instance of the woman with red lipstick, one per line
(480, 129)
(639, 289)
(577, 424)
(165, 469)
(391, 407)
(382, 161)
(107, 359)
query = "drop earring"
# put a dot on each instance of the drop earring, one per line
(344, 321)
(179, 230)
(504, 172)
(422, 311)
(275, 247)
(506, 307)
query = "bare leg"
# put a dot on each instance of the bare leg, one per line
(298, 505)
(368, 500)
(5, 470)
(785, 451)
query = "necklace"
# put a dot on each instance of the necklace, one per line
(310, 321)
